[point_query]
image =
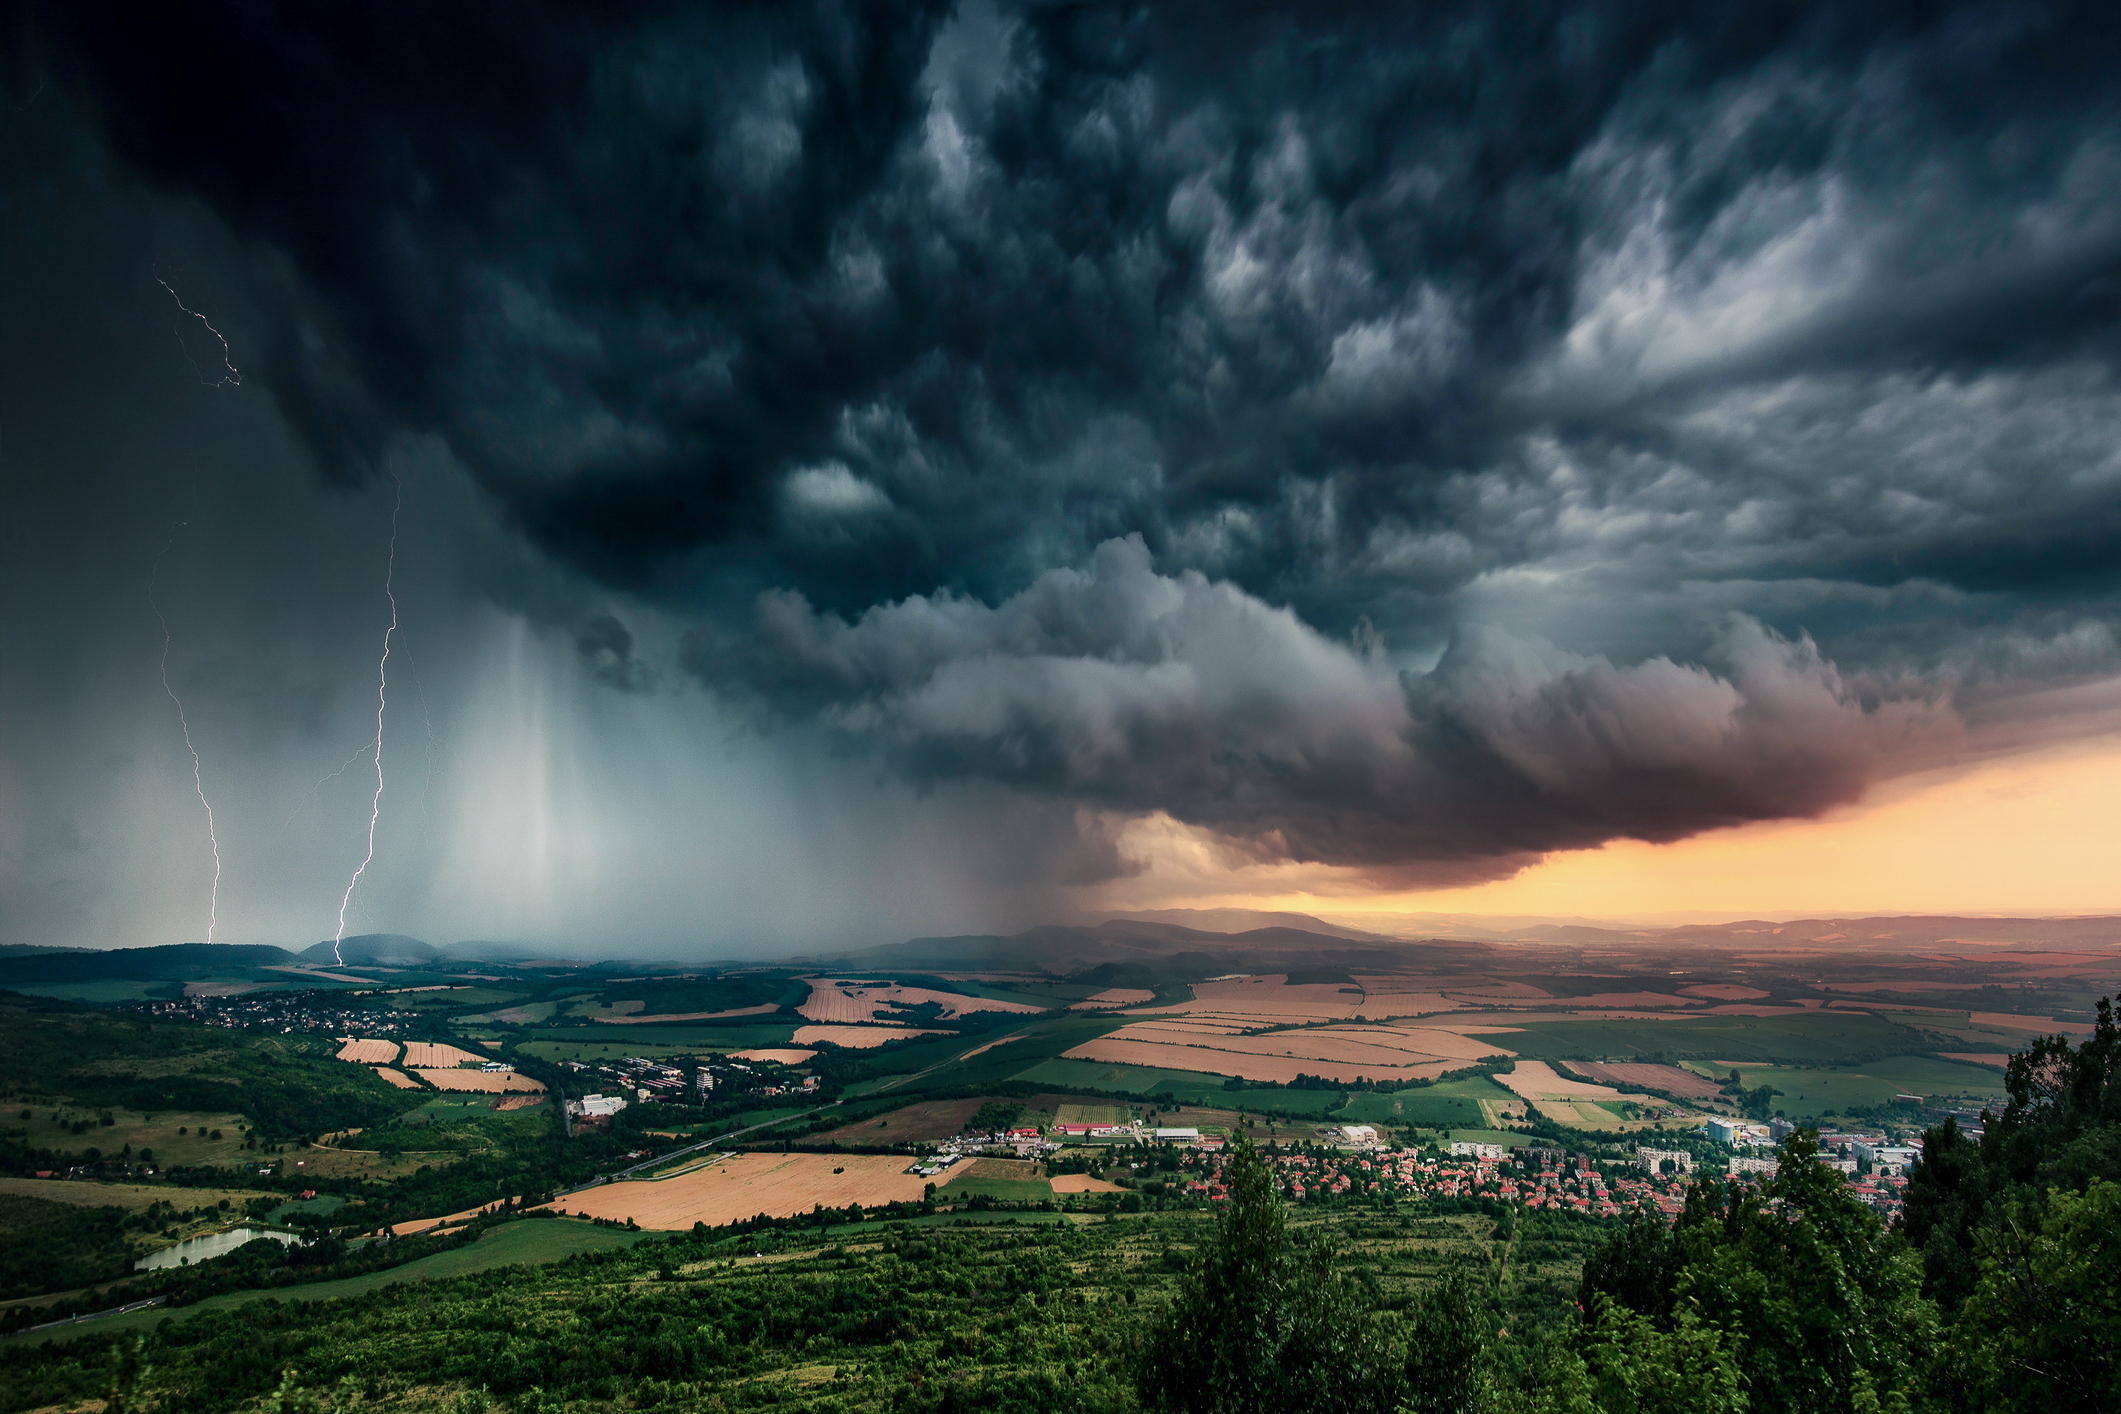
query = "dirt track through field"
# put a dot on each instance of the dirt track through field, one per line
(746, 1185)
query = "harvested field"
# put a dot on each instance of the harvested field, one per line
(858, 1038)
(438, 1055)
(846, 1002)
(778, 1057)
(1724, 992)
(2045, 1025)
(485, 1082)
(1115, 996)
(396, 1077)
(1339, 1052)
(1639, 1075)
(1164, 1056)
(1083, 1183)
(1557, 1096)
(1270, 1000)
(520, 1102)
(1500, 1000)
(368, 1052)
(746, 1185)
(1976, 1058)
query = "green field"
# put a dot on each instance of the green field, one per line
(1015, 1190)
(532, 1013)
(322, 1203)
(657, 1040)
(1190, 1087)
(1808, 1093)
(92, 992)
(1819, 1038)
(531, 1241)
(1421, 1107)
(1493, 1136)
(450, 1108)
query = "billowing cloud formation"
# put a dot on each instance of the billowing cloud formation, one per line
(1044, 395)
(1131, 691)
(1288, 293)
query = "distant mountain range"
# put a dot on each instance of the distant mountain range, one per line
(1141, 947)
(1889, 931)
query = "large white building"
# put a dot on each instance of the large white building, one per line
(1652, 1160)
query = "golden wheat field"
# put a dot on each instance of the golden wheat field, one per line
(438, 1055)
(1115, 996)
(396, 1077)
(746, 1185)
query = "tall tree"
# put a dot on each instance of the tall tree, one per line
(1258, 1328)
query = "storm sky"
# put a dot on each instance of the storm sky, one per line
(864, 470)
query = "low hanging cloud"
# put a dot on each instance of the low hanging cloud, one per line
(1130, 691)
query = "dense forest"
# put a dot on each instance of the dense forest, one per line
(2002, 1291)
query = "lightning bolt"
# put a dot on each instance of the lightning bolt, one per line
(375, 810)
(213, 898)
(325, 780)
(234, 375)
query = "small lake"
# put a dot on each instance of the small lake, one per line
(214, 1244)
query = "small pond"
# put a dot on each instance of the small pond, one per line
(213, 1244)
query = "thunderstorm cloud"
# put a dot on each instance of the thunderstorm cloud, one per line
(1409, 438)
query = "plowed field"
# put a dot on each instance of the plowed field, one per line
(1633, 1074)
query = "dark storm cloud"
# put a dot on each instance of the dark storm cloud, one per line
(1142, 692)
(606, 646)
(1669, 334)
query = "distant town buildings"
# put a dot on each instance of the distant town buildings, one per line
(1654, 1160)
